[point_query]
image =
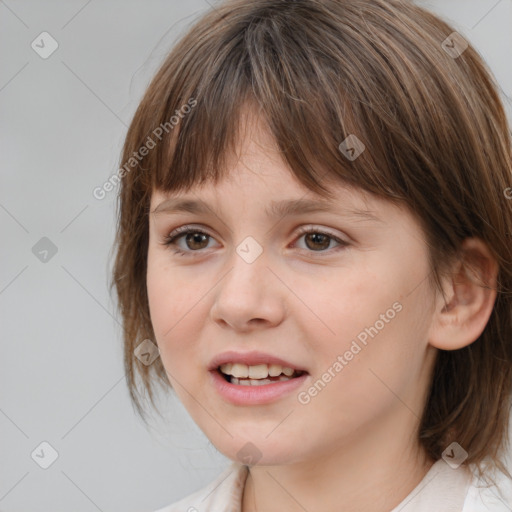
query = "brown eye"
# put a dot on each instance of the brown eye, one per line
(196, 240)
(317, 241)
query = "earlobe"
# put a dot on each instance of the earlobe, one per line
(470, 295)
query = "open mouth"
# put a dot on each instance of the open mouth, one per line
(258, 375)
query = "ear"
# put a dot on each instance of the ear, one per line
(470, 295)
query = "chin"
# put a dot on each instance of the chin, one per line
(259, 453)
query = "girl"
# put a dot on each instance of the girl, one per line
(314, 230)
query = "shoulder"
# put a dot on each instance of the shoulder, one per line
(223, 493)
(484, 496)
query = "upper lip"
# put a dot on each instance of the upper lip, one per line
(250, 359)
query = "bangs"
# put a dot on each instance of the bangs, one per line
(310, 96)
(375, 84)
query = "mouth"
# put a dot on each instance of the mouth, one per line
(255, 378)
(257, 375)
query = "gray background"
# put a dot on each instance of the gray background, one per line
(61, 375)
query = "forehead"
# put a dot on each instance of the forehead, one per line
(257, 176)
(274, 209)
(254, 160)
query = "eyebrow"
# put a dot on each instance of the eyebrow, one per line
(276, 209)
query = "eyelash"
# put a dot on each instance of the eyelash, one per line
(169, 240)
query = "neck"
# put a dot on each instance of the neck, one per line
(373, 471)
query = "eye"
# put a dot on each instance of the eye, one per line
(196, 239)
(318, 240)
(194, 236)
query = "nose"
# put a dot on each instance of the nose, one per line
(250, 295)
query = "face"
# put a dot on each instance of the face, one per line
(341, 294)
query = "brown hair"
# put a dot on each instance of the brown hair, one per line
(437, 142)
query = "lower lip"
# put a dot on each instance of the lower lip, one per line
(255, 395)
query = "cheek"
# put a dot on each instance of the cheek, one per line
(371, 379)
(349, 303)
(377, 322)
(178, 309)
(171, 305)
(161, 298)
(170, 293)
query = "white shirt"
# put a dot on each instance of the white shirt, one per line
(443, 489)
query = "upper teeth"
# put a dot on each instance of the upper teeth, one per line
(259, 371)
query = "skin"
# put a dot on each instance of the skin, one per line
(355, 442)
